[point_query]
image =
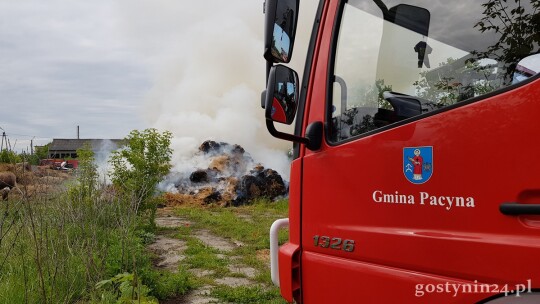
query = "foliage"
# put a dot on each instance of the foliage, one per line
(42, 152)
(518, 32)
(32, 159)
(350, 122)
(200, 256)
(248, 223)
(370, 96)
(87, 175)
(128, 288)
(518, 37)
(381, 88)
(226, 222)
(55, 247)
(7, 156)
(142, 163)
(245, 294)
(448, 90)
(55, 250)
(166, 285)
(10, 156)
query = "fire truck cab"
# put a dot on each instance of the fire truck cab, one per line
(416, 171)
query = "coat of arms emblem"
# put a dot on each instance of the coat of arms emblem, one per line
(418, 164)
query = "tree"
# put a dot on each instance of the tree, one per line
(458, 82)
(43, 151)
(141, 164)
(87, 175)
(518, 30)
(7, 156)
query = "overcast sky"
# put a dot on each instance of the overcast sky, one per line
(114, 66)
(110, 66)
(67, 63)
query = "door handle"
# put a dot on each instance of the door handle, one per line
(274, 248)
(519, 209)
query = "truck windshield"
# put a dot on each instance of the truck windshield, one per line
(385, 71)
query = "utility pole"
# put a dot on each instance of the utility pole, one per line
(3, 136)
(32, 146)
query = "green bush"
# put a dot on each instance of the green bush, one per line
(9, 157)
(139, 166)
(166, 285)
(55, 248)
(128, 288)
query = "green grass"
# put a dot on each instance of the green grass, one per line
(228, 222)
(56, 248)
(243, 294)
(248, 224)
(202, 257)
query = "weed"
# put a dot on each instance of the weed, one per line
(203, 257)
(167, 285)
(56, 246)
(249, 225)
(127, 287)
(245, 294)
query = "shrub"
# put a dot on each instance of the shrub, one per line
(138, 167)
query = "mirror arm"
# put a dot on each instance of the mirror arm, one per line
(383, 8)
(272, 129)
(268, 67)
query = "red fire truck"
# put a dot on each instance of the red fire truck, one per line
(416, 171)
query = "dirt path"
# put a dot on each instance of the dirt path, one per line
(171, 254)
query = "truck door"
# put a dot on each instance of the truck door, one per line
(426, 136)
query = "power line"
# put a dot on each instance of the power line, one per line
(29, 136)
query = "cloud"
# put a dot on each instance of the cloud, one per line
(60, 57)
(209, 78)
(114, 66)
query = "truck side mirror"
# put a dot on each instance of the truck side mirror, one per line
(281, 103)
(281, 100)
(280, 29)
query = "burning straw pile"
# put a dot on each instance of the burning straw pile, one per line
(232, 178)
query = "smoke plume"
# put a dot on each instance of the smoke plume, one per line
(210, 74)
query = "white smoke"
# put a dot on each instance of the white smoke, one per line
(102, 154)
(210, 74)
